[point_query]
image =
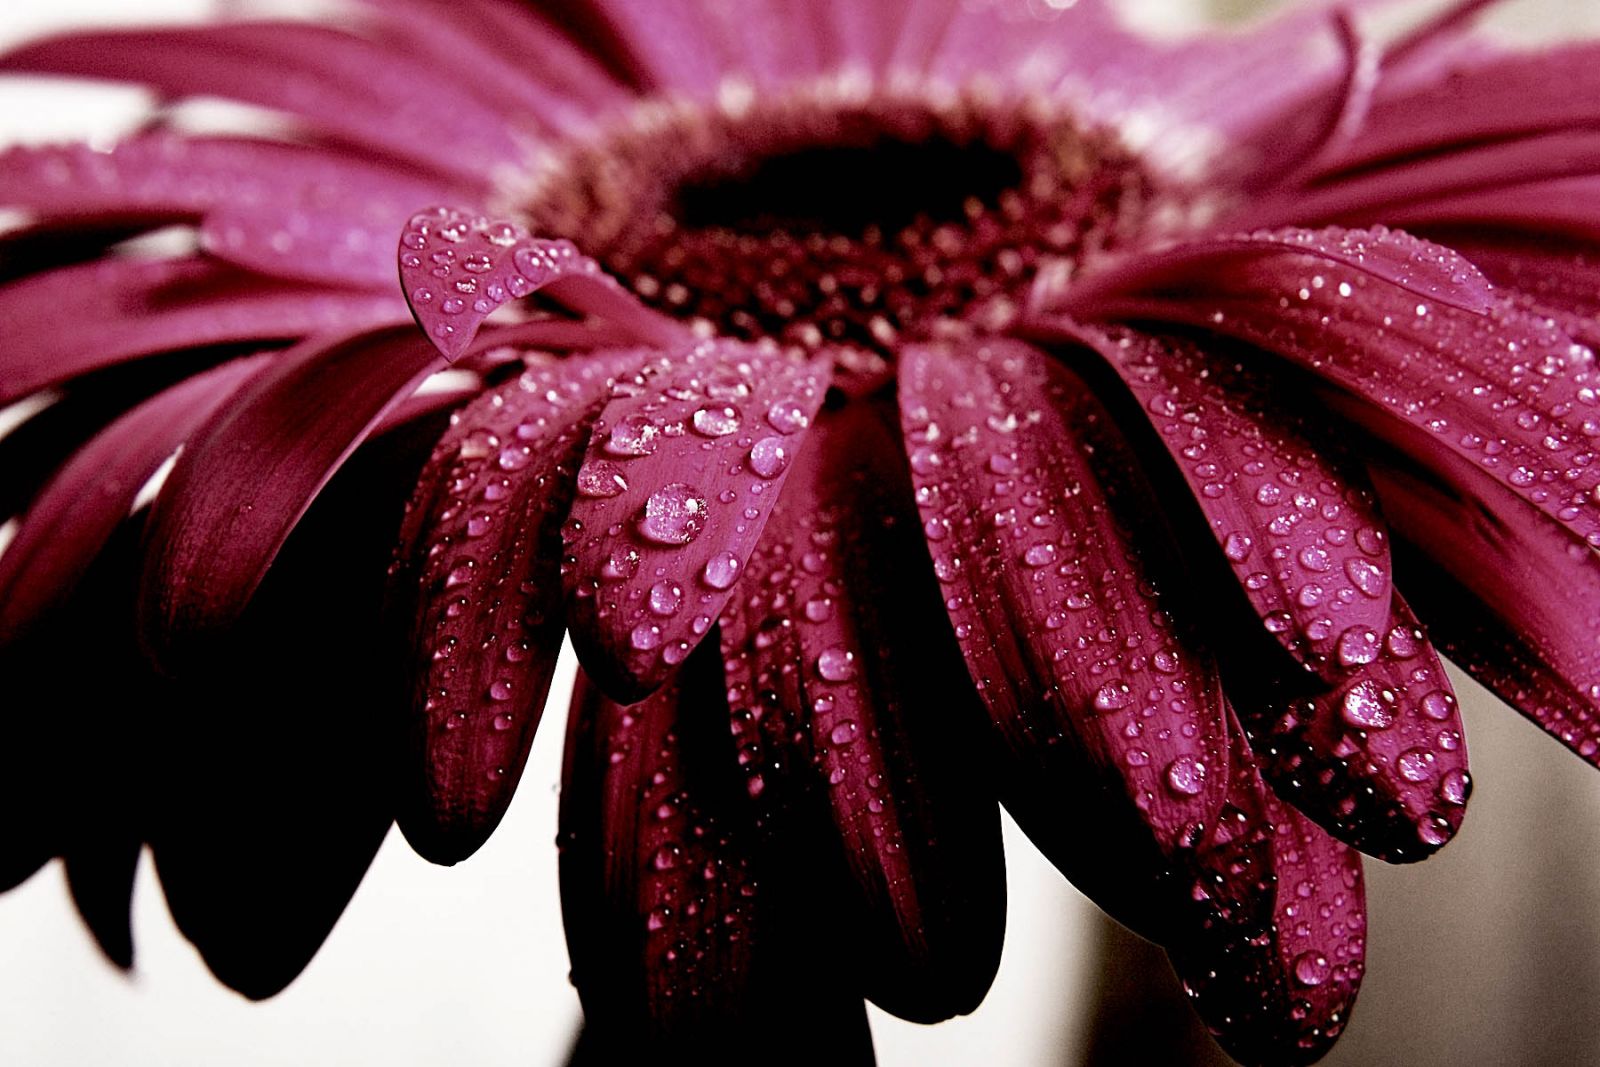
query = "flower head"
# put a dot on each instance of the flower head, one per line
(903, 413)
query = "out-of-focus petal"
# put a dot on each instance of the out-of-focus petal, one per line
(345, 86)
(679, 479)
(74, 515)
(477, 579)
(457, 268)
(1027, 499)
(83, 318)
(855, 724)
(249, 473)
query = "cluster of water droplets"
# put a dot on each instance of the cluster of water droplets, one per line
(1015, 467)
(478, 559)
(682, 470)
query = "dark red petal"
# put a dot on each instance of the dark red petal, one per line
(270, 765)
(680, 476)
(73, 516)
(1380, 761)
(86, 317)
(678, 942)
(247, 475)
(100, 870)
(1275, 963)
(855, 724)
(351, 88)
(1509, 594)
(477, 579)
(457, 268)
(1568, 207)
(1049, 592)
(1291, 514)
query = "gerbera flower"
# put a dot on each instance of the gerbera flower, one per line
(902, 411)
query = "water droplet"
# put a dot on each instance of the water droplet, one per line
(721, 570)
(844, 732)
(787, 417)
(646, 636)
(1358, 646)
(635, 435)
(674, 515)
(717, 420)
(819, 608)
(1040, 555)
(599, 479)
(1112, 697)
(769, 457)
(1416, 764)
(1236, 547)
(1438, 705)
(1434, 830)
(1364, 707)
(1186, 776)
(1311, 968)
(666, 598)
(1367, 577)
(836, 664)
(1455, 786)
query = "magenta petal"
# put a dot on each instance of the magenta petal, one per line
(1380, 760)
(855, 722)
(1083, 672)
(1293, 518)
(1477, 556)
(287, 211)
(1495, 99)
(349, 87)
(1275, 962)
(457, 268)
(246, 476)
(682, 472)
(477, 576)
(1508, 393)
(1418, 267)
(72, 517)
(87, 317)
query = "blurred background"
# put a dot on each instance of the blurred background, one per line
(1488, 954)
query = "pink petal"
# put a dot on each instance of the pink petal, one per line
(1563, 207)
(284, 210)
(245, 477)
(1371, 195)
(1025, 494)
(1379, 761)
(1418, 267)
(477, 577)
(87, 317)
(1275, 964)
(72, 517)
(855, 722)
(353, 89)
(682, 472)
(1492, 99)
(456, 268)
(1291, 515)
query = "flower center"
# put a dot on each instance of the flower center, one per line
(834, 214)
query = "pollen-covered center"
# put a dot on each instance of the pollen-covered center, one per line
(835, 215)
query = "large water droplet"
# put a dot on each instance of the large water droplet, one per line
(717, 420)
(1364, 707)
(1186, 776)
(769, 457)
(836, 664)
(674, 515)
(636, 435)
(600, 479)
(721, 570)
(1311, 968)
